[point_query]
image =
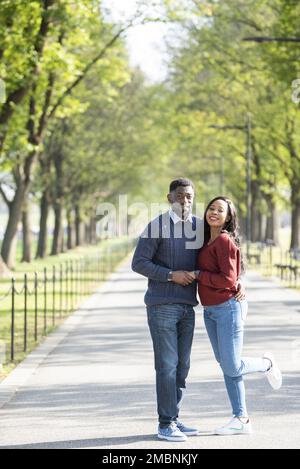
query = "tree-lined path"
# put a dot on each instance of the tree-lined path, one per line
(91, 383)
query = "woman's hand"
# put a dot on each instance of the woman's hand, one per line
(183, 278)
(192, 275)
(241, 294)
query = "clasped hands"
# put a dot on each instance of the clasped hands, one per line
(184, 278)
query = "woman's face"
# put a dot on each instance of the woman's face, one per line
(217, 214)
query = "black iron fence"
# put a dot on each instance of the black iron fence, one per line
(36, 303)
(275, 261)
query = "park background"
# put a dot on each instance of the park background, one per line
(101, 100)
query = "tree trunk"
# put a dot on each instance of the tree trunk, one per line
(70, 230)
(15, 213)
(295, 199)
(272, 226)
(87, 233)
(93, 230)
(57, 242)
(63, 247)
(43, 233)
(242, 222)
(295, 239)
(26, 234)
(255, 212)
(258, 232)
(78, 226)
(4, 270)
(256, 224)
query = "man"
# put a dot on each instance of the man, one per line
(167, 255)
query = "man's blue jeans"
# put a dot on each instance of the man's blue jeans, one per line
(225, 327)
(172, 329)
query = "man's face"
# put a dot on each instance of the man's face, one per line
(182, 200)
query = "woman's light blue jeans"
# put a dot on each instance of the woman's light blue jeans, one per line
(225, 327)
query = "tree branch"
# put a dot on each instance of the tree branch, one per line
(86, 69)
(17, 96)
(48, 95)
(271, 39)
(5, 198)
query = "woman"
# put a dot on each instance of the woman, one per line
(220, 264)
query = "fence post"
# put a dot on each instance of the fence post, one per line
(88, 260)
(25, 312)
(45, 300)
(60, 289)
(35, 307)
(98, 268)
(12, 340)
(67, 287)
(72, 285)
(85, 275)
(271, 260)
(53, 295)
(76, 281)
(81, 277)
(89, 274)
(93, 274)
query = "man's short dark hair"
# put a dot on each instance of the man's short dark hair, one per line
(180, 182)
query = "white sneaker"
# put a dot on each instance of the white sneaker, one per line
(274, 375)
(235, 427)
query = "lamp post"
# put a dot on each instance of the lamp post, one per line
(247, 128)
(249, 158)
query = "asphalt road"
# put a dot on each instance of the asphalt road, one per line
(91, 384)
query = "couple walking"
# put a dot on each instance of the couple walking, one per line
(175, 258)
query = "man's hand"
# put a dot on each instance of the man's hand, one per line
(183, 278)
(241, 294)
(192, 275)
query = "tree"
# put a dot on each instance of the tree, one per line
(70, 28)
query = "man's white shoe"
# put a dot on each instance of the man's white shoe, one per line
(235, 427)
(273, 375)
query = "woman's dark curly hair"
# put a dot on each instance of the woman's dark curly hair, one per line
(231, 227)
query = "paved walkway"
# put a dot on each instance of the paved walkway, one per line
(91, 384)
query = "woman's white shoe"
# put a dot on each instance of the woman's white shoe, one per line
(235, 427)
(273, 375)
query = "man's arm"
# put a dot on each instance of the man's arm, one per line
(143, 264)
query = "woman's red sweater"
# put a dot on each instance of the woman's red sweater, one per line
(219, 263)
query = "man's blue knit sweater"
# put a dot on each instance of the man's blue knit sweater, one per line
(166, 246)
